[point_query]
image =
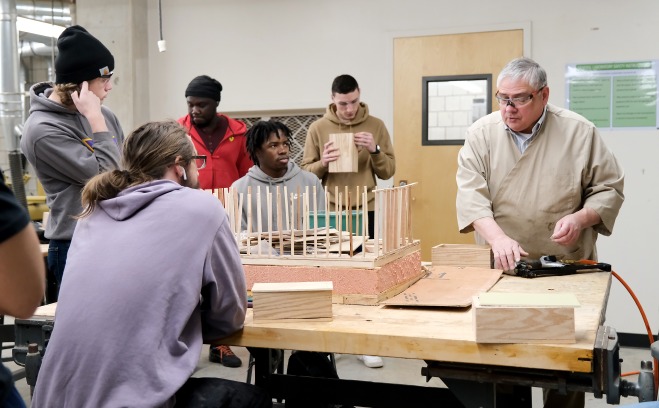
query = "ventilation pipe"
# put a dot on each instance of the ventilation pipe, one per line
(10, 95)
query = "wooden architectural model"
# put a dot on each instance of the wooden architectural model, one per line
(363, 271)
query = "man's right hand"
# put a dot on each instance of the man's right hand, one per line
(330, 154)
(507, 252)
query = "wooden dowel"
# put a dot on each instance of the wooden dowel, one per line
(292, 230)
(286, 209)
(249, 219)
(299, 209)
(279, 222)
(259, 220)
(315, 221)
(357, 223)
(385, 221)
(239, 219)
(409, 213)
(327, 219)
(399, 217)
(392, 219)
(376, 222)
(349, 216)
(268, 197)
(339, 221)
(403, 212)
(305, 218)
(364, 221)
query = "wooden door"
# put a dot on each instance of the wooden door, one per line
(434, 167)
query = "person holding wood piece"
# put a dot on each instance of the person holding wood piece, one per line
(375, 153)
(268, 145)
(222, 140)
(534, 179)
(153, 273)
(347, 114)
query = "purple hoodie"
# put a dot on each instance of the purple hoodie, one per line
(150, 275)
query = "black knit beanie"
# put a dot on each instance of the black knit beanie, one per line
(81, 57)
(204, 86)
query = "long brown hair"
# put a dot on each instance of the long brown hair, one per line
(64, 92)
(147, 152)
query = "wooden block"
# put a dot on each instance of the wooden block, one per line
(47, 311)
(524, 317)
(348, 154)
(292, 301)
(479, 256)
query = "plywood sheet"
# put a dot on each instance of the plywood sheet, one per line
(447, 286)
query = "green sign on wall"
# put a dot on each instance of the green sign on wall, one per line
(614, 95)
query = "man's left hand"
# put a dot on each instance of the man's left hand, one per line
(365, 140)
(567, 230)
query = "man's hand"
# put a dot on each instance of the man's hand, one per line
(89, 105)
(567, 231)
(365, 140)
(507, 252)
(330, 154)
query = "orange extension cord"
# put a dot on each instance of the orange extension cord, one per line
(655, 367)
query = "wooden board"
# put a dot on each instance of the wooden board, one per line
(348, 154)
(525, 318)
(291, 287)
(47, 311)
(528, 299)
(479, 256)
(447, 286)
(292, 301)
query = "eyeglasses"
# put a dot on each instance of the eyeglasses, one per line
(516, 101)
(200, 161)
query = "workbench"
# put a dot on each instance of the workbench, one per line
(445, 339)
(477, 375)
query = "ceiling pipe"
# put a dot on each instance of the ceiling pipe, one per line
(56, 12)
(10, 95)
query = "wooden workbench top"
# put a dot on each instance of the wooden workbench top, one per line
(442, 334)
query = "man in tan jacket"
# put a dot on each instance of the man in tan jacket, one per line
(535, 179)
(347, 114)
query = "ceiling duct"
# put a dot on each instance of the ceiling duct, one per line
(11, 108)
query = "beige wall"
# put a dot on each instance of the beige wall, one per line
(283, 54)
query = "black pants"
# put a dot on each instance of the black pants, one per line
(221, 393)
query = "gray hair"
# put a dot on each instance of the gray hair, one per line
(524, 69)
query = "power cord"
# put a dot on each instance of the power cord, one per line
(655, 366)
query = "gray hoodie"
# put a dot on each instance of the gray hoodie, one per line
(295, 180)
(130, 322)
(59, 143)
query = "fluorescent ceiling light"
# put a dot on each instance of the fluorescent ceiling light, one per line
(38, 27)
